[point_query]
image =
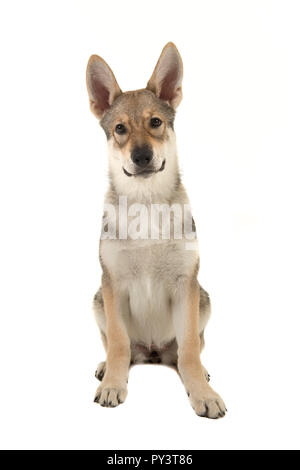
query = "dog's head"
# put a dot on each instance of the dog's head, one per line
(138, 124)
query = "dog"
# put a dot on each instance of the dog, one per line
(150, 307)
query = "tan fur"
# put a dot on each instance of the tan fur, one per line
(113, 389)
(95, 64)
(151, 307)
(155, 83)
(139, 133)
(204, 400)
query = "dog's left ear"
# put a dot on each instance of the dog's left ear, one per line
(166, 79)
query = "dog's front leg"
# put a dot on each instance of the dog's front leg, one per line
(113, 389)
(205, 401)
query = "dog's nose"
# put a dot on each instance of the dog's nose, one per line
(142, 156)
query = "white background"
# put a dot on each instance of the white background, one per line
(238, 140)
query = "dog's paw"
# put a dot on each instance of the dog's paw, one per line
(208, 404)
(110, 396)
(99, 374)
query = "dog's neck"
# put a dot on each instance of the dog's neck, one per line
(161, 187)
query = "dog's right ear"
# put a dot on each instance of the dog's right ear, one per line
(102, 86)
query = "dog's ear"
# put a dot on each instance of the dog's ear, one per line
(166, 79)
(102, 86)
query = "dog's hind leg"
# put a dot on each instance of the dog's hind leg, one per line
(204, 315)
(98, 306)
(99, 312)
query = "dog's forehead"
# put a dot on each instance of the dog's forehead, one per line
(134, 104)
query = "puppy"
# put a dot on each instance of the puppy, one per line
(150, 307)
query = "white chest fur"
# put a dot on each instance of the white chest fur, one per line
(145, 274)
(150, 317)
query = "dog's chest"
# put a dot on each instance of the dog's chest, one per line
(146, 273)
(149, 319)
(160, 262)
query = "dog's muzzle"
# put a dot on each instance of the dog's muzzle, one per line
(147, 172)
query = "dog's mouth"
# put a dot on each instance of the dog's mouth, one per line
(146, 173)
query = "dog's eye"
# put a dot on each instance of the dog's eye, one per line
(155, 122)
(120, 129)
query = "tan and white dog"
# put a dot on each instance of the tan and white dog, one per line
(150, 307)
